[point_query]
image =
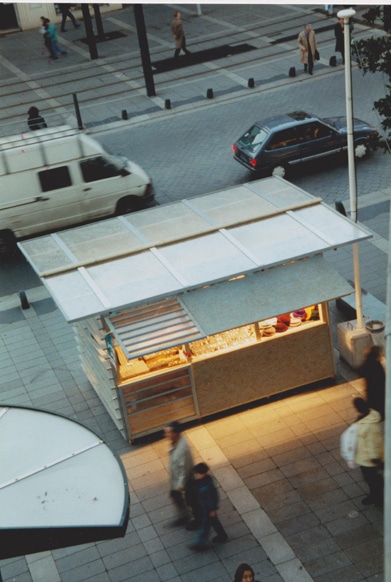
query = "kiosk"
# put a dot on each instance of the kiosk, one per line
(202, 305)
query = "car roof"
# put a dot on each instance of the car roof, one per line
(285, 120)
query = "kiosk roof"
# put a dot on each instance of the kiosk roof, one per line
(169, 250)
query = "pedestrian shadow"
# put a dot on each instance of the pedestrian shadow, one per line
(199, 57)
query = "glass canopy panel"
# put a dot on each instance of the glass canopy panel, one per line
(74, 295)
(94, 241)
(332, 226)
(45, 254)
(132, 279)
(233, 205)
(206, 259)
(166, 223)
(281, 193)
(277, 239)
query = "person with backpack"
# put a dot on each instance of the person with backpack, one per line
(208, 499)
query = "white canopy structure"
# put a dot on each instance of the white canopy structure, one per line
(173, 250)
(61, 485)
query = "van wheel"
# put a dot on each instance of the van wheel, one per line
(280, 171)
(126, 205)
(7, 243)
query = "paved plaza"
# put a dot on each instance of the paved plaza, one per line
(291, 507)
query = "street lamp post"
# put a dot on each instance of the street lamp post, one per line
(347, 15)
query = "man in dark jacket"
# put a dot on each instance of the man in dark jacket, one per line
(35, 120)
(208, 499)
(339, 38)
(65, 10)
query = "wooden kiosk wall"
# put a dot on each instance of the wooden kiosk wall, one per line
(266, 368)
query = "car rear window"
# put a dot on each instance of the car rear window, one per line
(253, 138)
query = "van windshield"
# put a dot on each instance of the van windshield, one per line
(101, 167)
(253, 138)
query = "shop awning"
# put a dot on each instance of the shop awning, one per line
(196, 314)
(60, 485)
(169, 250)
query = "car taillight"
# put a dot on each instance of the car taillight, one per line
(234, 148)
(253, 162)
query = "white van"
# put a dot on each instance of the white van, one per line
(58, 177)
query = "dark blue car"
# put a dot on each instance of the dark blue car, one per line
(281, 141)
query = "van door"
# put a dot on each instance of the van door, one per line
(61, 205)
(102, 185)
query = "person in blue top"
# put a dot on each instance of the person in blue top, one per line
(51, 32)
(208, 499)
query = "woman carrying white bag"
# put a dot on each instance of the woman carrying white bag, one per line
(362, 445)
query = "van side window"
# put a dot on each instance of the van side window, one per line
(98, 168)
(55, 178)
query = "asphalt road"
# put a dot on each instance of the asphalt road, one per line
(189, 153)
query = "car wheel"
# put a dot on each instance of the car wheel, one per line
(361, 149)
(279, 171)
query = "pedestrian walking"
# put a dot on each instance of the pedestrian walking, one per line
(339, 38)
(372, 370)
(44, 31)
(244, 573)
(308, 48)
(181, 478)
(52, 35)
(328, 8)
(35, 120)
(370, 450)
(65, 10)
(208, 498)
(179, 35)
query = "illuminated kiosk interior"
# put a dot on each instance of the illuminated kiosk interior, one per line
(199, 306)
(61, 484)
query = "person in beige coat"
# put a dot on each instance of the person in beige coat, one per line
(370, 450)
(308, 48)
(179, 35)
(182, 491)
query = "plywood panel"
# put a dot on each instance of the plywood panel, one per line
(263, 369)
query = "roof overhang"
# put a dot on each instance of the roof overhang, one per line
(61, 485)
(169, 250)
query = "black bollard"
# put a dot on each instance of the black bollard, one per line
(124, 114)
(209, 93)
(251, 83)
(292, 72)
(23, 300)
(167, 104)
